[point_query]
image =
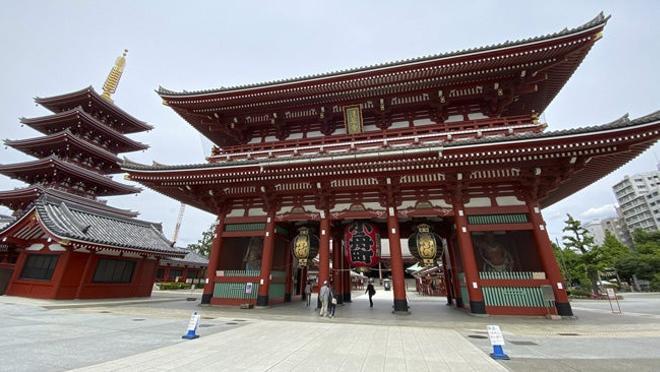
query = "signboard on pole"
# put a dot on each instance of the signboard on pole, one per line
(497, 341)
(610, 294)
(191, 332)
(495, 335)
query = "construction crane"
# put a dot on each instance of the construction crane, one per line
(178, 223)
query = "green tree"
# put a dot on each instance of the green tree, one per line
(644, 261)
(203, 245)
(612, 251)
(579, 240)
(571, 267)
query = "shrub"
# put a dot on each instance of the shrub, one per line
(173, 285)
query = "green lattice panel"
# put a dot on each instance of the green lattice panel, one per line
(234, 227)
(276, 290)
(513, 296)
(464, 291)
(497, 219)
(235, 290)
(246, 273)
(506, 275)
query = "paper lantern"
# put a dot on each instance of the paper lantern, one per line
(362, 244)
(425, 245)
(305, 246)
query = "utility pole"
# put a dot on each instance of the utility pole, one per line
(178, 223)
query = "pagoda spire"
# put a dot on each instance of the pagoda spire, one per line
(111, 83)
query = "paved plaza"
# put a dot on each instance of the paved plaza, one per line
(143, 335)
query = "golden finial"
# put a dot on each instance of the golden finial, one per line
(111, 83)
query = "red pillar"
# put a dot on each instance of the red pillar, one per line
(336, 270)
(214, 261)
(548, 260)
(85, 274)
(303, 282)
(288, 262)
(324, 249)
(396, 257)
(456, 285)
(58, 274)
(477, 304)
(266, 261)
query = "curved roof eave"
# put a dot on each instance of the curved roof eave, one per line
(598, 21)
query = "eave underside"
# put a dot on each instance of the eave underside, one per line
(87, 97)
(514, 81)
(85, 127)
(54, 172)
(65, 145)
(545, 169)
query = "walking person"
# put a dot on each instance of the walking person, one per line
(308, 292)
(324, 293)
(332, 304)
(371, 291)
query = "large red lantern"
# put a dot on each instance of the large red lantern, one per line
(362, 244)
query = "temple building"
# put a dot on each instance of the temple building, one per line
(63, 242)
(446, 151)
(190, 268)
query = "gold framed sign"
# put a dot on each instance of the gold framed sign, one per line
(353, 119)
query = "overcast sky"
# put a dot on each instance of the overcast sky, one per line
(55, 47)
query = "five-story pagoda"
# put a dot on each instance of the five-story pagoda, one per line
(65, 242)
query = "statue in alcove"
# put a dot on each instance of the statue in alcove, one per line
(252, 259)
(495, 256)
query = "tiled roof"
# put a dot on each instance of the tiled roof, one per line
(54, 102)
(599, 19)
(191, 258)
(622, 122)
(92, 226)
(5, 220)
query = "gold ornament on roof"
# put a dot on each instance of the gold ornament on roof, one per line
(111, 83)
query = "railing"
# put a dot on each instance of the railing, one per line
(514, 296)
(492, 219)
(511, 275)
(236, 291)
(389, 134)
(240, 273)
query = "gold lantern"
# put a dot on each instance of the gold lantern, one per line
(423, 245)
(305, 246)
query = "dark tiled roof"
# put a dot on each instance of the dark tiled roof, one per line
(191, 258)
(599, 19)
(82, 223)
(622, 122)
(54, 102)
(5, 220)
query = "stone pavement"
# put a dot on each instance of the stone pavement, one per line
(141, 334)
(322, 346)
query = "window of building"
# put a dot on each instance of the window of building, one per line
(176, 272)
(39, 266)
(114, 271)
(160, 273)
(192, 274)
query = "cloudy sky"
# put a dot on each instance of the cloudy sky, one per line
(54, 47)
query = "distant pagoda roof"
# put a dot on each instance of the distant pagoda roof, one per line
(65, 142)
(52, 164)
(91, 228)
(87, 97)
(23, 198)
(63, 120)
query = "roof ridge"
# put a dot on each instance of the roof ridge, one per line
(597, 20)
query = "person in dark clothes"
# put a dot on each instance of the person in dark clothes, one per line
(371, 291)
(308, 293)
